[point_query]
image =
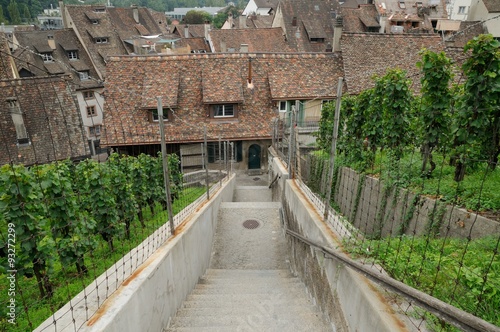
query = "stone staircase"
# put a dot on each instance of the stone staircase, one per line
(249, 286)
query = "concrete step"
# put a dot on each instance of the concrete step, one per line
(249, 289)
(296, 321)
(242, 282)
(250, 205)
(249, 273)
(248, 308)
(199, 302)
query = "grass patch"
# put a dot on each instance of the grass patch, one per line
(32, 311)
(465, 274)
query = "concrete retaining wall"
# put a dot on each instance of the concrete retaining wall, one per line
(351, 302)
(152, 294)
(383, 213)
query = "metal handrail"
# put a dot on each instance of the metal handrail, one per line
(443, 310)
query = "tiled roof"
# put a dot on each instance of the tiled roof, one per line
(195, 44)
(306, 19)
(266, 3)
(412, 8)
(168, 90)
(493, 6)
(303, 82)
(116, 24)
(5, 59)
(258, 40)
(467, 31)
(207, 79)
(194, 30)
(366, 55)
(255, 22)
(360, 18)
(28, 57)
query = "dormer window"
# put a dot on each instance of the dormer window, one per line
(224, 111)
(153, 115)
(419, 4)
(84, 75)
(99, 10)
(101, 40)
(72, 55)
(47, 57)
(318, 40)
(18, 120)
(402, 5)
(94, 21)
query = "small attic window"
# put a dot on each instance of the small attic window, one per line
(316, 8)
(402, 5)
(99, 10)
(419, 4)
(94, 21)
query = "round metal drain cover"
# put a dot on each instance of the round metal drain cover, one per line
(251, 224)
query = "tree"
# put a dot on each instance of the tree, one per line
(35, 7)
(434, 113)
(197, 17)
(2, 17)
(477, 124)
(26, 15)
(13, 9)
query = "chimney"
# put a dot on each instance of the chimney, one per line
(51, 41)
(223, 47)
(243, 22)
(294, 21)
(337, 32)
(135, 13)
(63, 14)
(244, 48)
(186, 31)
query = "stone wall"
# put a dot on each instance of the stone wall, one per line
(379, 212)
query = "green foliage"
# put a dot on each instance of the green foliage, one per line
(431, 265)
(60, 212)
(324, 134)
(95, 187)
(434, 111)
(197, 17)
(13, 9)
(477, 122)
(21, 204)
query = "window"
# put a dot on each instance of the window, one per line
(95, 130)
(224, 111)
(167, 114)
(84, 75)
(72, 55)
(402, 5)
(282, 106)
(17, 118)
(461, 10)
(234, 151)
(91, 111)
(94, 21)
(318, 40)
(101, 40)
(50, 37)
(88, 94)
(419, 4)
(99, 10)
(47, 57)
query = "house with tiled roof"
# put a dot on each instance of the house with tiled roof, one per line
(248, 22)
(489, 12)
(41, 122)
(308, 25)
(190, 38)
(260, 7)
(59, 52)
(365, 55)
(359, 17)
(106, 31)
(248, 40)
(235, 96)
(403, 16)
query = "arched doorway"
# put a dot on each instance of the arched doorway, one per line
(254, 156)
